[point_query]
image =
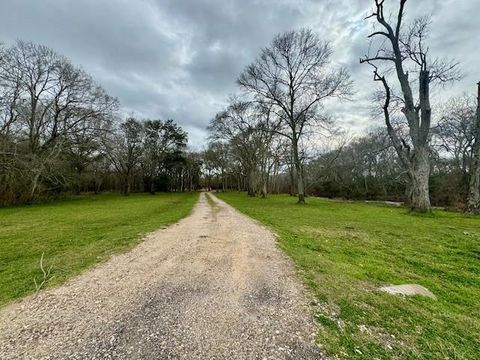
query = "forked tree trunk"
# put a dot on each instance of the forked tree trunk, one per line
(473, 201)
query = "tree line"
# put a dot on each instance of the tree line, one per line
(271, 136)
(61, 132)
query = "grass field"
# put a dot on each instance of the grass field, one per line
(74, 234)
(347, 250)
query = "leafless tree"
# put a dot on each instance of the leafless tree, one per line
(124, 150)
(454, 135)
(59, 131)
(405, 52)
(217, 158)
(46, 103)
(237, 126)
(248, 130)
(293, 76)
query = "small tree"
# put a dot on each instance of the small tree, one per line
(293, 76)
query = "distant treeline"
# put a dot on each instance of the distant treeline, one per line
(362, 168)
(60, 132)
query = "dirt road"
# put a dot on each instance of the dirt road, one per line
(213, 286)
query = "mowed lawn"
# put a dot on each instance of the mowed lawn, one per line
(347, 250)
(74, 234)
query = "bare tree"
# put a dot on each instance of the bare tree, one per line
(58, 133)
(406, 52)
(124, 150)
(454, 136)
(473, 201)
(218, 157)
(293, 76)
(238, 126)
(244, 135)
(46, 103)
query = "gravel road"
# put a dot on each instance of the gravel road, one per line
(212, 286)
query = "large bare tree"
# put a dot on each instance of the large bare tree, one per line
(293, 76)
(404, 52)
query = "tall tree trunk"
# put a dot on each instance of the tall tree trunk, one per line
(299, 172)
(264, 190)
(126, 186)
(264, 185)
(98, 185)
(408, 191)
(473, 201)
(223, 181)
(152, 185)
(419, 175)
(251, 183)
(264, 179)
(292, 180)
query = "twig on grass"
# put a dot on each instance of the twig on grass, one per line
(46, 276)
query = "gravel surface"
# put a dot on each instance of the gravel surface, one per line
(212, 286)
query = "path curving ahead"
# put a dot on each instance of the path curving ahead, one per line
(212, 286)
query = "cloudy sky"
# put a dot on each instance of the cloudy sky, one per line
(180, 58)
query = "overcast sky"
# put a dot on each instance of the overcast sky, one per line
(180, 58)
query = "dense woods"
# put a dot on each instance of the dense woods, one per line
(61, 132)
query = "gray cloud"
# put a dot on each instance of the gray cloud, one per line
(180, 58)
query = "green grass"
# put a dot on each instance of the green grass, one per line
(76, 233)
(347, 250)
(210, 201)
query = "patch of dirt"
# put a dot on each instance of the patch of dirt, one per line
(213, 286)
